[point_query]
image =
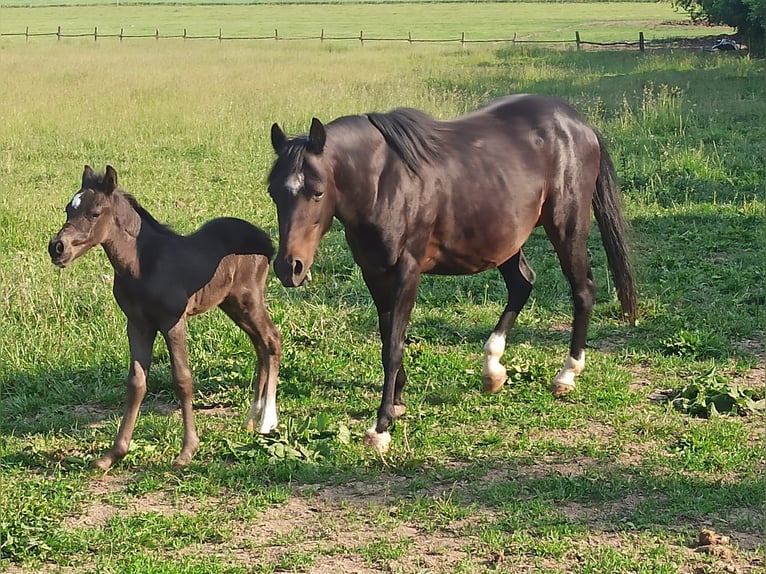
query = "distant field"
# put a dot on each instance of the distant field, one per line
(602, 22)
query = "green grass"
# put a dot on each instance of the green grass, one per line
(603, 481)
(596, 22)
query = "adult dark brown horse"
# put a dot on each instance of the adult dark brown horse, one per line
(416, 195)
(160, 279)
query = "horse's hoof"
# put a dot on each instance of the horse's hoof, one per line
(561, 388)
(493, 384)
(249, 426)
(380, 441)
(100, 466)
(399, 410)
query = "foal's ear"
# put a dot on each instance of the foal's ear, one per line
(87, 176)
(110, 180)
(317, 137)
(278, 138)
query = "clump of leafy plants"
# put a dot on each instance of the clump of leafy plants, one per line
(307, 439)
(713, 394)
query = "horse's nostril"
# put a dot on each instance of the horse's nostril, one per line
(297, 268)
(59, 247)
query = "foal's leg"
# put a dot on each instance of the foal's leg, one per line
(141, 340)
(519, 278)
(570, 242)
(396, 307)
(248, 310)
(175, 338)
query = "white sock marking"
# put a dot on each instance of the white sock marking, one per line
(572, 367)
(493, 350)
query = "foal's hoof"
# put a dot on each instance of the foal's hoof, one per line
(493, 384)
(380, 441)
(561, 388)
(399, 410)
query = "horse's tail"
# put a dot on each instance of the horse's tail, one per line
(614, 231)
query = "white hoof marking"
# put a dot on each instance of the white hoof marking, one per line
(493, 350)
(381, 442)
(564, 381)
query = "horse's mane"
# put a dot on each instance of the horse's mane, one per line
(96, 181)
(412, 134)
(146, 216)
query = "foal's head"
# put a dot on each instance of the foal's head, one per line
(89, 217)
(302, 188)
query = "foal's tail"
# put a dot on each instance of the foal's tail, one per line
(614, 231)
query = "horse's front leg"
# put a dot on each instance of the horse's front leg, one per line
(175, 338)
(402, 290)
(141, 340)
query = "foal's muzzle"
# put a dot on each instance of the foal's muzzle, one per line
(56, 250)
(291, 272)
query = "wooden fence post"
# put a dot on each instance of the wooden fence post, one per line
(184, 34)
(513, 41)
(157, 34)
(122, 33)
(95, 34)
(577, 39)
(276, 34)
(361, 37)
(462, 39)
(220, 35)
(409, 37)
(321, 36)
(58, 33)
(641, 41)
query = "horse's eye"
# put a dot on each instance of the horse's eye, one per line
(93, 215)
(317, 194)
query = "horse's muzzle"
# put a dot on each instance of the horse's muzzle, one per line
(291, 272)
(56, 250)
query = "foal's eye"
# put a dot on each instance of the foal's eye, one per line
(93, 215)
(317, 194)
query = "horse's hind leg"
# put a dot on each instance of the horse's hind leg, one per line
(519, 278)
(247, 308)
(175, 338)
(570, 242)
(141, 341)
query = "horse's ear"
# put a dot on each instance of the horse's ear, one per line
(110, 180)
(317, 137)
(87, 176)
(278, 138)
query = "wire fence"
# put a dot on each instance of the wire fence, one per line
(59, 34)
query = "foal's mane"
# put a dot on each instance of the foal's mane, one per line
(96, 181)
(146, 216)
(412, 134)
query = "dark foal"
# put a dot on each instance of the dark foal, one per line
(416, 195)
(160, 279)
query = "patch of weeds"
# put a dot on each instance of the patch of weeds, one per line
(694, 344)
(712, 394)
(305, 439)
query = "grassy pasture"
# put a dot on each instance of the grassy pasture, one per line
(603, 481)
(597, 22)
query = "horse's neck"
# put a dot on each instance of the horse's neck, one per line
(121, 246)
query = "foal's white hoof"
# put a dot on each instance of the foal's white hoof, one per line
(379, 441)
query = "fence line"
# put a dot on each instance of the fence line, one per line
(361, 38)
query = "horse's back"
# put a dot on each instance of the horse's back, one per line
(236, 237)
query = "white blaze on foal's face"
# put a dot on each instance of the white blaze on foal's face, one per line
(75, 203)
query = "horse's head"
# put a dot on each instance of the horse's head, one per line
(302, 187)
(88, 217)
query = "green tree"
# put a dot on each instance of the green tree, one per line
(747, 16)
